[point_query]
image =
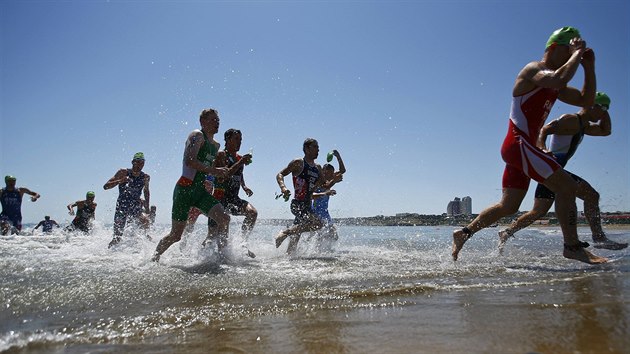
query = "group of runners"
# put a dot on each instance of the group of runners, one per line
(526, 154)
(210, 184)
(130, 206)
(212, 178)
(11, 216)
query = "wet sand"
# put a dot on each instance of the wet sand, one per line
(587, 315)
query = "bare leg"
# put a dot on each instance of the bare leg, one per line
(591, 209)
(222, 229)
(333, 233)
(541, 207)
(251, 214)
(312, 224)
(293, 242)
(510, 201)
(177, 229)
(294, 230)
(120, 220)
(213, 234)
(565, 188)
(193, 215)
(592, 213)
(145, 223)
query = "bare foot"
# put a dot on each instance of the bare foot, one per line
(280, 238)
(504, 235)
(609, 244)
(210, 240)
(459, 238)
(246, 251)
(115, 241)
(580, 254)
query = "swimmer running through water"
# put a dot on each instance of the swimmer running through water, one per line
(566, 134)
(307, 176)
(535, 90)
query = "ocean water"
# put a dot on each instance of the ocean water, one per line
(379, 290)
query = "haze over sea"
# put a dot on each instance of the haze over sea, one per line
(380, 289)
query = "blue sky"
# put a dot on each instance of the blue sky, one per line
(414, 94)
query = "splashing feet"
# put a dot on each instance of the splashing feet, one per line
(459, 238)
(579, 253)
(504, 235)
(606, 243)
(280, 238)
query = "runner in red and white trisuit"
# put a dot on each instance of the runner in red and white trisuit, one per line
(536, 89)
(523, 159)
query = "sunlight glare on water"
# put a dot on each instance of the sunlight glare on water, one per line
(67, 289)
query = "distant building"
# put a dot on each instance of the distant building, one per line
(466, 206)
(454, 207)
(459, 207)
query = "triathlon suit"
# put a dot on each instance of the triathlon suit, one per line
(304, 184)
(227, 191)
(524, 161)
(128, 203)
(562, 147)
(12, 207)
(47, 226)
(320, 207)
(190, 190)
(82, 219)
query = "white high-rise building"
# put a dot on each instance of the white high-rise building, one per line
(454, 207)
(466, 205)
(459, 206)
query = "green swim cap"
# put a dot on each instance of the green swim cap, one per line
(90, 194)
(563, 36)
(138, 156)
(602, 99)
(9, 178)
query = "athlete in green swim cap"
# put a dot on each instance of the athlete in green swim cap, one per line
(132, 184)
(566, 134)
(537, 87)
(190, 190)
(85, 214)
(11, 200)
(563, 36)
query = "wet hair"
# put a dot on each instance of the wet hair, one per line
(208, 113)
(308, 142)
(230, 133)
(328, 167)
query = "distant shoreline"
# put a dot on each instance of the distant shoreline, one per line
(618, 220)
(611, 220)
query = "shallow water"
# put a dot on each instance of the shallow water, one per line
(382, 289)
